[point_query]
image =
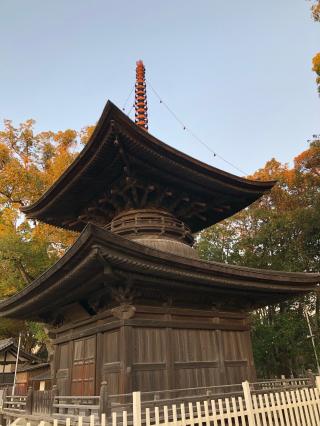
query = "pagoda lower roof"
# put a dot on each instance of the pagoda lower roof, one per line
(100, 260)
(123, 166)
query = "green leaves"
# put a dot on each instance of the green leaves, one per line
(282, 232)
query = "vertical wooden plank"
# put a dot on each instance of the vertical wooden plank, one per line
(263, 411)
(191, 417)
(99, 362)
(228, 412)
(268, 409)
(148, 417)
(305, 398)
(114, 419)
(126, 334)
(235, 411)
(70, 367)
(174, 414)
(310, 401)
(68, 421)
(165, 415)
(300, 408)
(295, 408)
(315, 406)
(317, 399)
(221, 413)
(157, 416)
(206, 413)
(103, 419)
(286, 410)
(248, 401)
(221, 356)
(199, 416)
(241, 407)
(171, 374)
(80, 421)
(92, 420)
(136, 409)
(274, 410)
(124, 418)
(214, 412)
(183, 414)
(279, 409)
(256, 410)
(55, 422)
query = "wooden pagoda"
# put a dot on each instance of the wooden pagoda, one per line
(130, 302)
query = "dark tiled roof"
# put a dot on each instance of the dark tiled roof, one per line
(85, 260)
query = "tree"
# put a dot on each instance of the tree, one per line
(30, 163)
(315, 9)
(280, 231)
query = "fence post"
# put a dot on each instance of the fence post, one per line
(136, 408)
(318, 383)
(4, 396)
(248, 400)
(29, 400)
(103, 400)
(54, 393)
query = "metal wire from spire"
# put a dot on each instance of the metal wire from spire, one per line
(184, 127)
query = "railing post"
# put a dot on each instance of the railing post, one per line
(29, 400)
(311, 378)
(248, 400)
(54, 393)
(103, 400)
(136, 408)
(318, 383)
(4, 396)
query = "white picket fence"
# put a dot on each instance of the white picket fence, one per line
(297, 407)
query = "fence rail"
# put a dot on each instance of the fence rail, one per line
(268, 403)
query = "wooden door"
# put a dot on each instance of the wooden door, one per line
(84, 367)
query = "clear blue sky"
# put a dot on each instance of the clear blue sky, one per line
(237, 72)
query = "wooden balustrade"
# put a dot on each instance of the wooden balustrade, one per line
(61, 407)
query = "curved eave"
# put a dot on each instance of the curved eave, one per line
(79, 178)
(60, 284)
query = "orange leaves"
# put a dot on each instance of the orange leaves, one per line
(316, 62)
(29, 163)
(86, 133)
(316, 11)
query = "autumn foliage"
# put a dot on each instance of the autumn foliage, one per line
(29, 163)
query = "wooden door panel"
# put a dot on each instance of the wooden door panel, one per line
(84, 367)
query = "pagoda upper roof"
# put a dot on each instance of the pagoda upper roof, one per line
(99, 260)
(123, 166)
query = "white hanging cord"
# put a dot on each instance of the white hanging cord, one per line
(184, 127)
(127, 100)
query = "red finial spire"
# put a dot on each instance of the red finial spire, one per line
(141, 116)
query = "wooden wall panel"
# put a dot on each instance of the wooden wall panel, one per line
(236, 374)
(235, 345)
(196, 377)
(111, 361)
(237, 354)
(63, 370)
(149, 380)
(195, 345)
(149, 345)
(111, 347)
(149, 359)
